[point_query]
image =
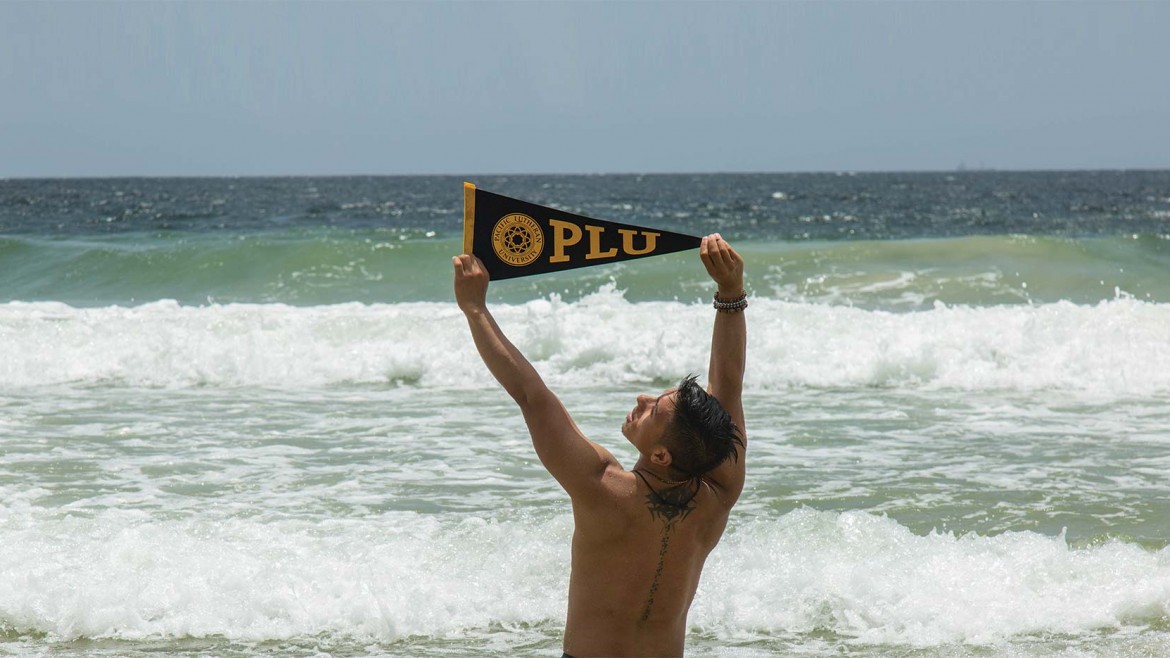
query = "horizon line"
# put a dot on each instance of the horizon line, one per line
(815, 172)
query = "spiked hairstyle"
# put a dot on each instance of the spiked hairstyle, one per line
(701, 436)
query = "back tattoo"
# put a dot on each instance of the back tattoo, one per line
(670, 506)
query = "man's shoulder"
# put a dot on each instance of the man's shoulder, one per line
(725, 496)
(615, 482)
(609, 508)
(618, 484)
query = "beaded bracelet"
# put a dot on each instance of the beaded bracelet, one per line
(730, 305)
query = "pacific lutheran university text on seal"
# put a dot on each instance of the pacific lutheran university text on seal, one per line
(517, 239)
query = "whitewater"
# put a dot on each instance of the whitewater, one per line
(1113, 348)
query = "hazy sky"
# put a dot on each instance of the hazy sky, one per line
(224, 88)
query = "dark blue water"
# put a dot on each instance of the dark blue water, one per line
(764, 207)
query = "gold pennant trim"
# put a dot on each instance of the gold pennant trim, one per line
(468, 217)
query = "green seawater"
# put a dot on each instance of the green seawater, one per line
(309, 267)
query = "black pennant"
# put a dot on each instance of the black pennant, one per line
(516, 238)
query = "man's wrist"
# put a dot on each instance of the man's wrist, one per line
(730, 304)
(473, 309)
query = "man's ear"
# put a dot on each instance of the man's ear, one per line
(660, 456)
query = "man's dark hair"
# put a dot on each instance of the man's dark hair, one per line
(701, 435)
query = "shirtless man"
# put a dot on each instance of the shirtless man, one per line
(641, 536)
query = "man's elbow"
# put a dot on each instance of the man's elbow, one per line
(532, 397)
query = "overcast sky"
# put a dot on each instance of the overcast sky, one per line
(97, 89)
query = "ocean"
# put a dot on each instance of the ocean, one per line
(243, 417)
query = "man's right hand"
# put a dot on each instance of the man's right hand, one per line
(471, 282)
(723, 264)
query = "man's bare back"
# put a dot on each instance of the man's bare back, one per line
(636, 565)
(641, 536)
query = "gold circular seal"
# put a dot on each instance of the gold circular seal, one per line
(517, 239)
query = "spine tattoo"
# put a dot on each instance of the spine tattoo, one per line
(668, 506)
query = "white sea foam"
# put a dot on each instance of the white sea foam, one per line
(122, 576)
(861, 576)
(868, 577)
(1117, 347)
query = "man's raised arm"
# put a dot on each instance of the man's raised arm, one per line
(576, 462)
(728, 351)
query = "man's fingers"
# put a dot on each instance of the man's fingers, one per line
(719, 257)
(462, 264)
(468, 265)
(719, 249)
(475, 265)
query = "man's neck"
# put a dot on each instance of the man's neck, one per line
(664, 474)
